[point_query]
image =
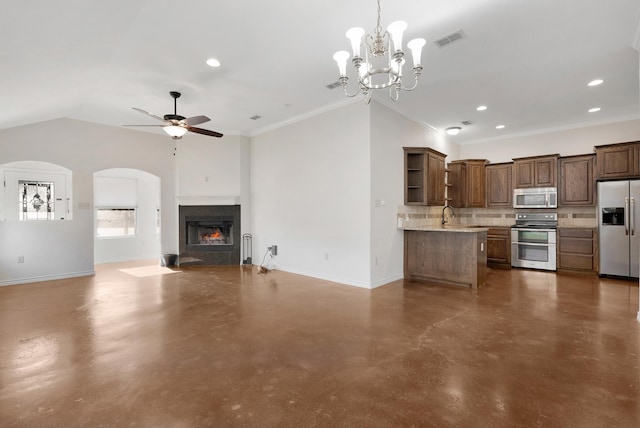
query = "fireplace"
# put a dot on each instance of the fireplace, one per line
(209, 234)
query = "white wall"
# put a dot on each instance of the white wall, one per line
(567, 142)
(145, 244)
(64, 248)
(390, 132)
(311, 193)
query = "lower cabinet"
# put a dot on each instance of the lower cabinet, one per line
(577, 249)
(499, 247)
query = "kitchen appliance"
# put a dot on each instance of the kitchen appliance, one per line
(538, 197)
(533, 241)
(618, 222)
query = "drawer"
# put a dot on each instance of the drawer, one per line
(571, 232)
(499, 231)
(576, 261)
(575, 245)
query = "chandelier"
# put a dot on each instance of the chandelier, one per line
(381, 66)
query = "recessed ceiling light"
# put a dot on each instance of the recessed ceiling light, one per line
(454, 130)
(595, 82)
(212, 62)
(481, 108)
(500, 127)
(595, 109)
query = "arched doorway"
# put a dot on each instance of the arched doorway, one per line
(126, 215)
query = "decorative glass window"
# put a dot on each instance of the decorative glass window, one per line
(115, 222)
(36, 200)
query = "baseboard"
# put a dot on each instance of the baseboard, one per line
(46, 278)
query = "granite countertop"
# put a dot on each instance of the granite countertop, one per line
(448, 228)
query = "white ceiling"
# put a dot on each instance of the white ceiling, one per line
(529, 61)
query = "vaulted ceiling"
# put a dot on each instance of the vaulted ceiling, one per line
(528, 61)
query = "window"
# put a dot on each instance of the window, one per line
(115, 222)
(36, 200)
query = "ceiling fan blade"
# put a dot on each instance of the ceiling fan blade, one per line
(204, 132)
(148, 114)
(196, 120)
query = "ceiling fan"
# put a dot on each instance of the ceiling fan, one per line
(175, 125)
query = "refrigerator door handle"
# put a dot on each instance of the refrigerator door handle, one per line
(626, 216)
(632, 216)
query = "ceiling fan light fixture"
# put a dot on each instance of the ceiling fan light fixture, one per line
(454, 130)
(175, 131)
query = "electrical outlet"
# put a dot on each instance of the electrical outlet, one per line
(274, 250)
(20, 259)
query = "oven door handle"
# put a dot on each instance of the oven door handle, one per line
(532, 244)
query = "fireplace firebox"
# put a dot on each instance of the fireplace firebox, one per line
(209, 234)
(217, 231)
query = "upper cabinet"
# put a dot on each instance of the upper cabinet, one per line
(537, 171)
(576, 181)
(499, 185)
(467, 183)
(618, 160)
(424, 176)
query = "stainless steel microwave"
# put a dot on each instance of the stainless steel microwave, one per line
(539, 197)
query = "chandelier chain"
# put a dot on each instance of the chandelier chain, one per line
(378, 26)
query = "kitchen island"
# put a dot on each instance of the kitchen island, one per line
(446, 254)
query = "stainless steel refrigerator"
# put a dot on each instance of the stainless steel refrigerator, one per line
(619, 227)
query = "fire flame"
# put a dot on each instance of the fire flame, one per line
(214, 235)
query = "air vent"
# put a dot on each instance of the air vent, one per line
(334, 85)
(255, 117)
(467, 122)
(449, 38)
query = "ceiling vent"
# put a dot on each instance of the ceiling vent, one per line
(467, 122)
(334, 85)
(255, 117)
(449, 38)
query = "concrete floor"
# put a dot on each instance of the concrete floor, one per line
(225, 346)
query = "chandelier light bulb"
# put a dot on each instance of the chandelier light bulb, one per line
(396, 29)
(341, 58)
(355, 35)
(416, 46)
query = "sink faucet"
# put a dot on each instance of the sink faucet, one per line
(453, 213)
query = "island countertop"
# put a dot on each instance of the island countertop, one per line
(448, 228)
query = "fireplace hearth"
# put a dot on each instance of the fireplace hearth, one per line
(209, 234)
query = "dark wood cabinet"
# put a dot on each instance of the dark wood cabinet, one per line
(576, 187)
(499, 188)
(536, 171)
(499, 247)
(467, 183)
(577, 249)
(618, 160)
(424, 176)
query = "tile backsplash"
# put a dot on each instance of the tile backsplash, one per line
(420, 216)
